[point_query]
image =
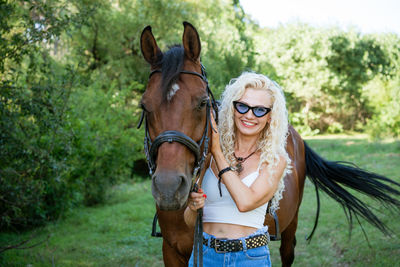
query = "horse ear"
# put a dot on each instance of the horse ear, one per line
(150, 50)
(191, 42)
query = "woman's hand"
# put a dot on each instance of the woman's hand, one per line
(215, 143)
(196, 200)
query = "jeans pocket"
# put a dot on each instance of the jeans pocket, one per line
(259, 253)
(205, 251)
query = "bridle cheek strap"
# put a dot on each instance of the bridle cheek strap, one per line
(151, 147)
(151, 150)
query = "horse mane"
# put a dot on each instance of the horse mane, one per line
(171, 66)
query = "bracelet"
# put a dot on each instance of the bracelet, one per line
(229, 168)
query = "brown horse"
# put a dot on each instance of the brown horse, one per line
(176, 105)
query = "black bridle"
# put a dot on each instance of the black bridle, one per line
(151, 147)
(151, 150)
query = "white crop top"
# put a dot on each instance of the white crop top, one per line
(223, 209)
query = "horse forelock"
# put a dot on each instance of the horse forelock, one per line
(171, 66)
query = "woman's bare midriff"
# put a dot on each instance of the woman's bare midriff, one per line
(226, 230)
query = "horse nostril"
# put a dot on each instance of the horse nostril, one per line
(167, 184)
(183, 180)
(182, 186)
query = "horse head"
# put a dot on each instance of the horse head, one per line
(175, 106)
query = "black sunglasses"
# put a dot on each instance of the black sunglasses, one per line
(258, 111)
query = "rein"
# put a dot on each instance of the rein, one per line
(151, 150)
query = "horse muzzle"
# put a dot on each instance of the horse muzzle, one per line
(170, 189)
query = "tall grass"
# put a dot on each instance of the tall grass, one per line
(118, 233)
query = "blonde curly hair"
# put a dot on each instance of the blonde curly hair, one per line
(272, 142)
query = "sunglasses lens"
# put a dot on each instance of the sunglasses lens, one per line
(260, 111)
(241, 108)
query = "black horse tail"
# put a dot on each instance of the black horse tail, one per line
(333, 177)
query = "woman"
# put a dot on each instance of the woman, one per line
(246, 170)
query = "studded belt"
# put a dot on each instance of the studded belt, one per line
(233, 245)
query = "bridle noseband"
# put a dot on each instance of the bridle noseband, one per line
(151, 147)
(151, 150)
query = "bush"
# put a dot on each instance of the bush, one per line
(35, 143)
(106, 141)
(66, 133)
(386, 104)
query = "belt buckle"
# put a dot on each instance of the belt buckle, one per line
(216, 245)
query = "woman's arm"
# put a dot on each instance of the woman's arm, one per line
(260, 192)
(195, 202)
(190, 217)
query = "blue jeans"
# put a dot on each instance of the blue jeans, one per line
(257, 257)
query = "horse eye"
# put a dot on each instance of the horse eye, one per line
(203, 103)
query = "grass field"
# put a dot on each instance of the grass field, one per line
(118, 233)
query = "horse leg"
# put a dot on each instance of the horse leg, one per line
(177, 238)
(172, 257)
(288, 243)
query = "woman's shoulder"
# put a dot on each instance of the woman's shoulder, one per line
(282, 159)
(281, 162)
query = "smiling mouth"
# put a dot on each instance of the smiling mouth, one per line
(248, 124)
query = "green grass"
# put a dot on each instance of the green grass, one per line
(118, 233)
(115, 234)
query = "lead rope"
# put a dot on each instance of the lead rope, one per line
(198, 229)
(198, 235)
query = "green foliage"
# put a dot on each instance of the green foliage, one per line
(72, 74)
(300, 119)
(105, 140)
(35, 142)
(66, 134)
(383, 93)
(115, 234)
(325, 71)
(118, 233)
(384, 96)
